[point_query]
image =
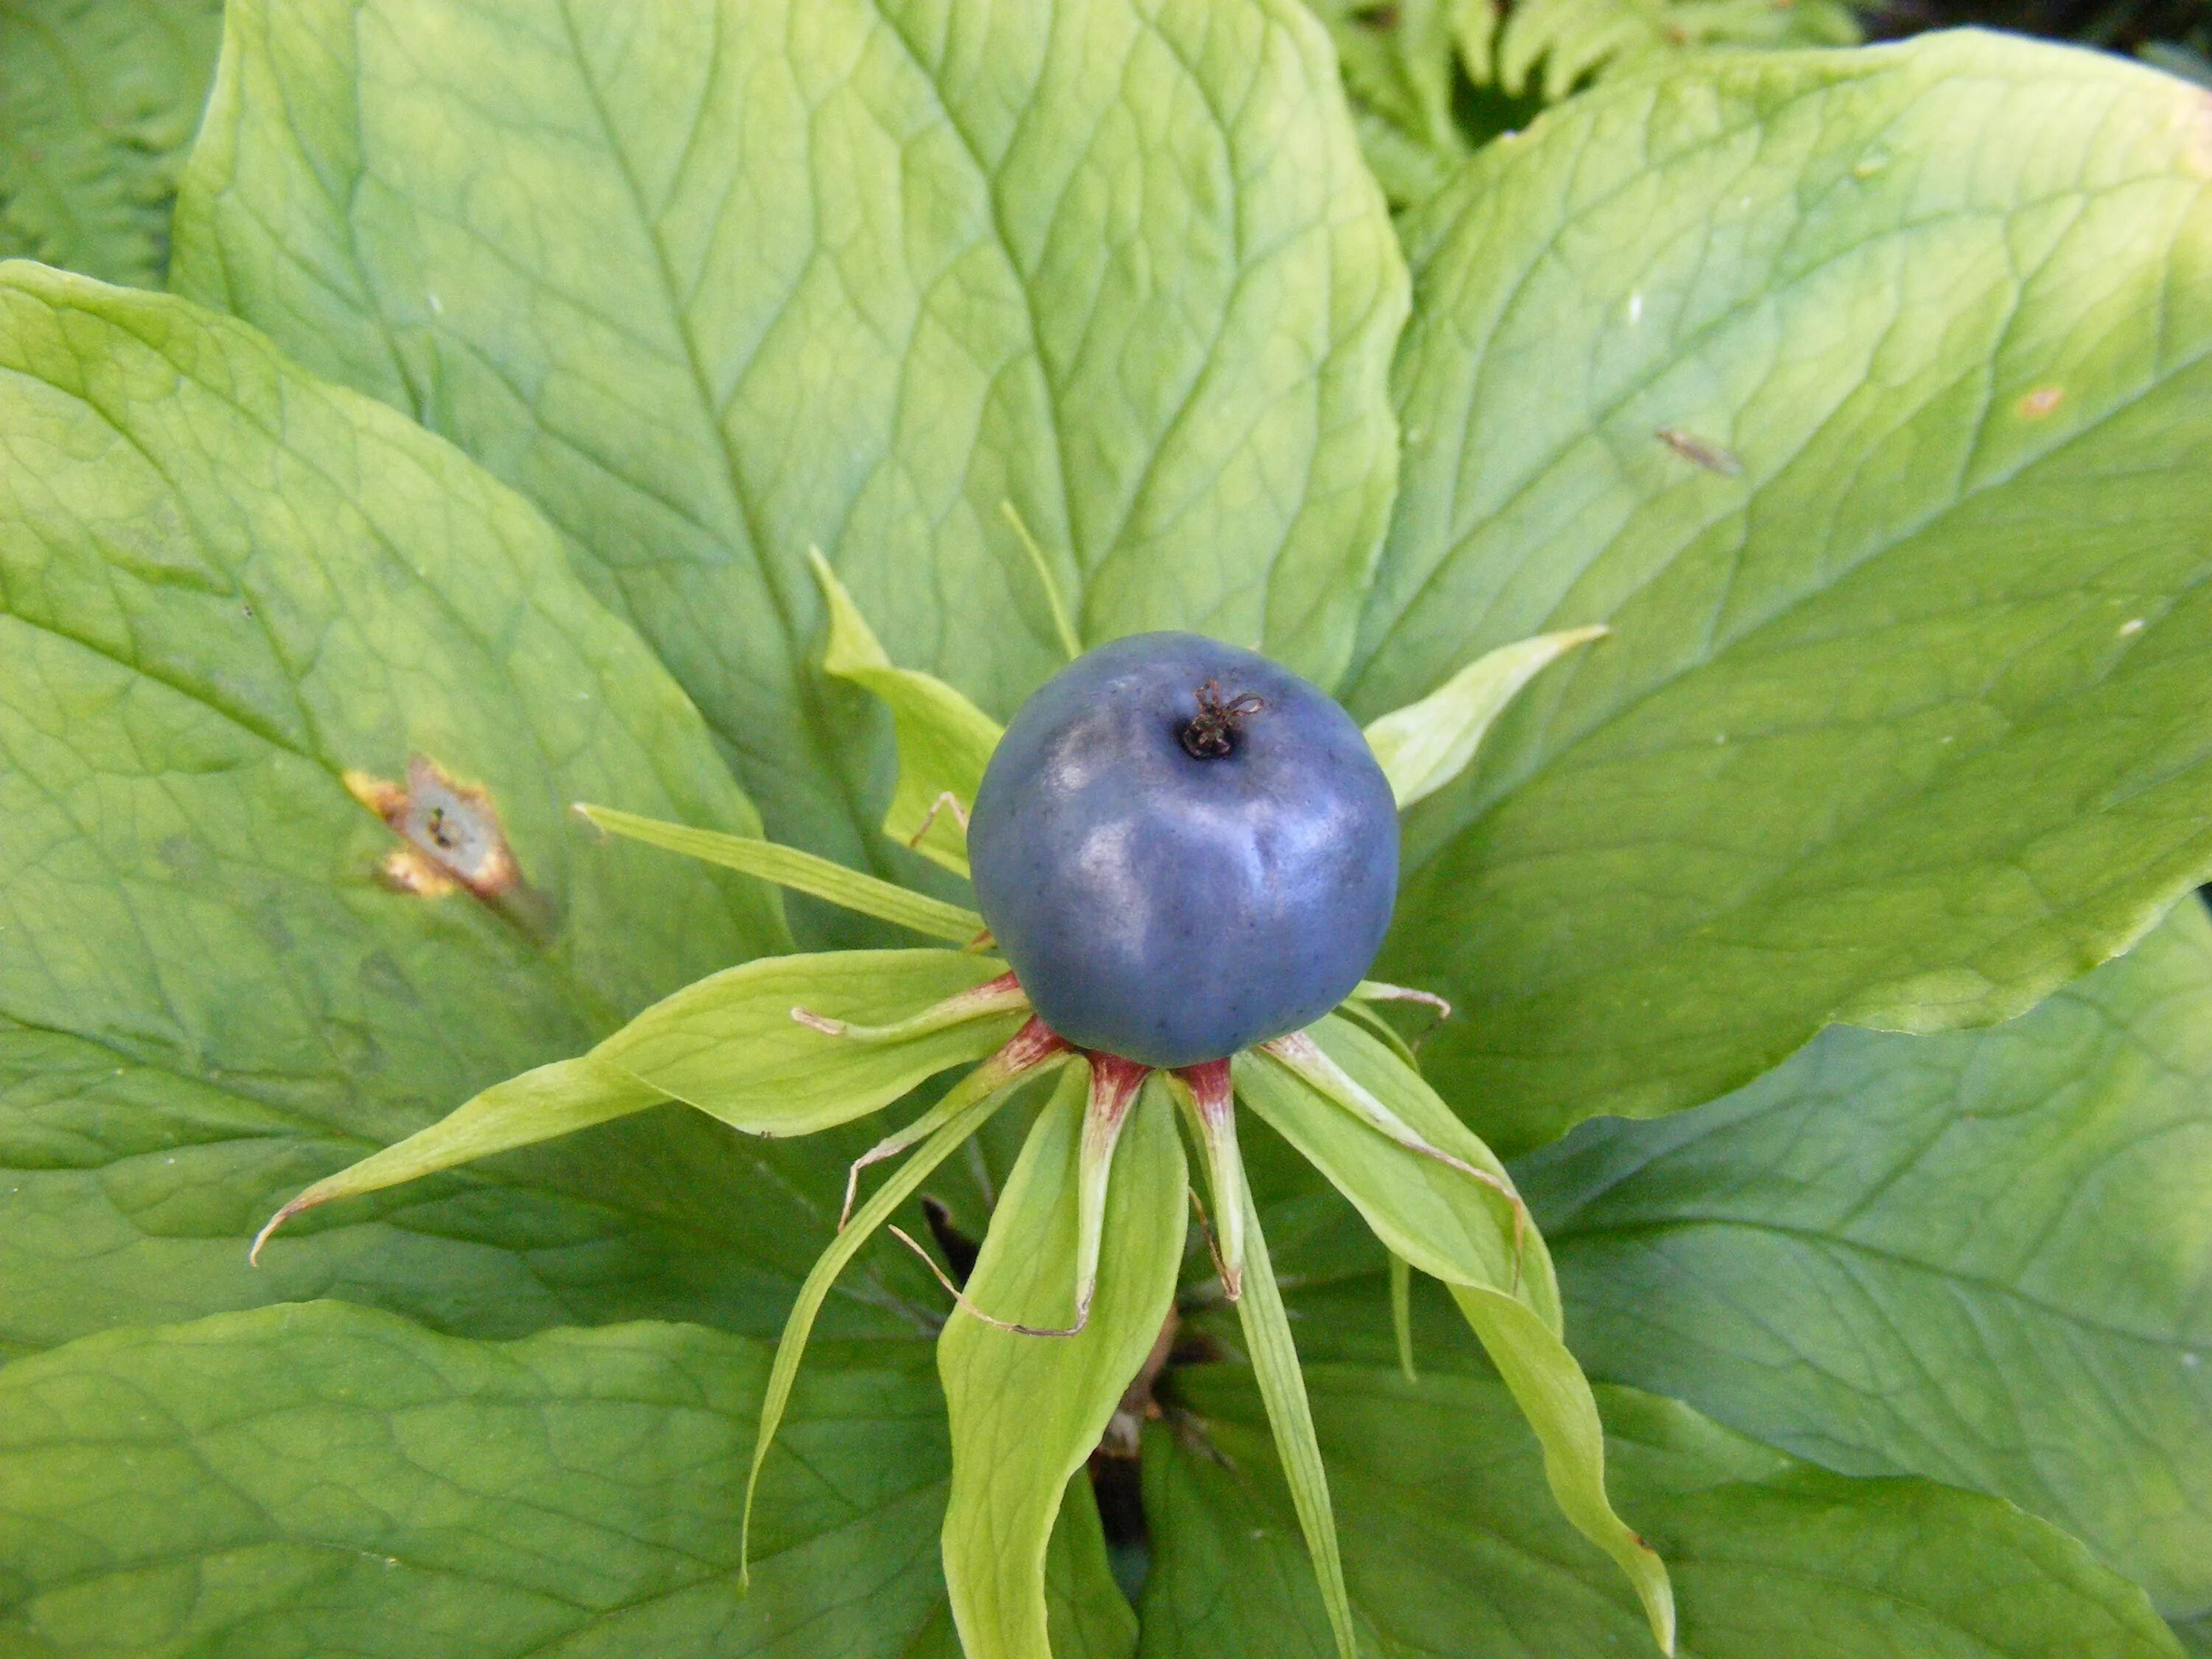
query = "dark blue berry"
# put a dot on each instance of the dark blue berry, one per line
(1183, 849)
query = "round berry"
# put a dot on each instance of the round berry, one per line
(1183, 850)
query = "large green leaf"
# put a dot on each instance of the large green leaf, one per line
(1979, 1257)
(98, 100)
(297, 1482)
(1450, 1549)
(1888, 471)
(1027, 1411)
(223, 588)
(715, 283)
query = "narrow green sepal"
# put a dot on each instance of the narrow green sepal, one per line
(1384, 1139)
(1274, 1358)
(1026, 1411)
(803, 872)
(538, 1105)
(1401, 1314)
(1204, 1095)
(1554, 1396)
(768, 1047)
(1063, 625)
(1369, 1122)
(1426, 745)
(943, 740)
(958, 1115)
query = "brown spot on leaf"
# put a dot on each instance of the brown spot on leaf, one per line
(380, 798)
(2041, 402)
(405, 870)
(454, 839)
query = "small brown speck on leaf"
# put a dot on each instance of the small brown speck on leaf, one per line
(1699, 451)
(2036, 405)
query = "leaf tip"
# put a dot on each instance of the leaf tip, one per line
(306, 1200)
(1656, 1589)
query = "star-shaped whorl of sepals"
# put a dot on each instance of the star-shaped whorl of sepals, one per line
(1205, 1093)
(1232, 984)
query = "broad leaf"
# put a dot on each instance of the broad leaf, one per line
(2196, 1635)
(233, 604)
(717, 283)
(98, 100)
(297, 1482)
(1887, 472)
(943, 740)
(1977, 1257)
(1451, 1553)
(1027, 1411)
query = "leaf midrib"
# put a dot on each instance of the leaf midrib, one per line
(822, 741)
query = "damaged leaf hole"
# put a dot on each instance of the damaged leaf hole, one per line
(454, 843)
